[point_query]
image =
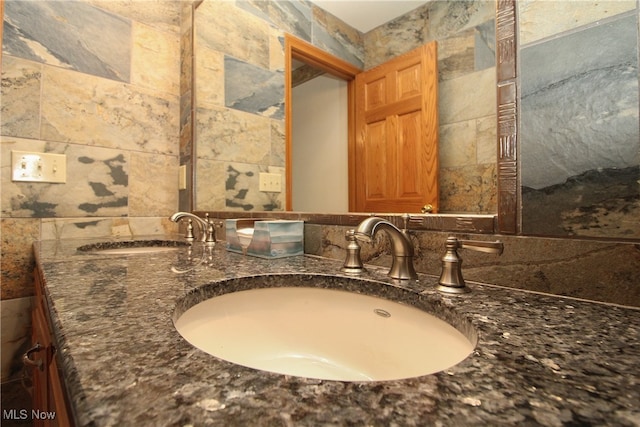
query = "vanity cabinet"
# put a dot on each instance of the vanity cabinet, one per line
(50, 405)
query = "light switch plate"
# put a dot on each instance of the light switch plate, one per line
(39, 167)
(270, 182)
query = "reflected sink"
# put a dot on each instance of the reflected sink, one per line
(132, 247)
(322, 333)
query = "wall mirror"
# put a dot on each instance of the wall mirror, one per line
(467, 117)
(240, 132)
(579, 123)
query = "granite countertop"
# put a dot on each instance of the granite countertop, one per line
(540, 359)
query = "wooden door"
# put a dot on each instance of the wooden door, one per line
(396, 124)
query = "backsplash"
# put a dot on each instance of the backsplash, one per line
(593, 270)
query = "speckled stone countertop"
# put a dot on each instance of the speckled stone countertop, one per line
(540, 360)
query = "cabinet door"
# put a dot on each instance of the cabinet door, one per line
(49, 398)
(37, 358)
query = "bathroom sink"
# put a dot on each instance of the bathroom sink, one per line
(132, 247)
(324, 333)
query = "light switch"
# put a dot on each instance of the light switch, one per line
(270, 182)
(39, 167)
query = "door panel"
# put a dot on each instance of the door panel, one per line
(397, 134)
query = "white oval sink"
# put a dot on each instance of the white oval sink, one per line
(323, 333)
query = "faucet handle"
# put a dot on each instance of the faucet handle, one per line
(496, 247)
(451, 280)
(210, 232)
(189, 236)
(352, 263)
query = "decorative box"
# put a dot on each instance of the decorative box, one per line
(265, 238)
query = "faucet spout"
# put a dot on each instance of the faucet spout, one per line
(401, 246)
(207, 231)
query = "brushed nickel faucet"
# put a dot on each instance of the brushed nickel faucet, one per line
(401, 246)
(451, 280)
(207, 231)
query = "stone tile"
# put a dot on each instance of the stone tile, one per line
(432, 21)
(293, 17)
(210, 84)
(109, 228)
(163, 15)
(467, 97)
(149, 226)
(447, 18)
(84, 228)
(399, 36)
(21, 85)
(211, 177)
(253, 89)
(43, 31)
(596, 203)
(222, 27)
(485, 45)
(155, 59)
(456, 55)
(334, 36)
(242, 189)
(153, 185)
(231, 135)
(487, 135)
(102, 192)
(471, 188)
(581, 102)
(276, 51)
(84, 109)
(538, 20)
(457, 145)
(18, 235)
(278, 150)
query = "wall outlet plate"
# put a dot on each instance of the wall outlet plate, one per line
(38, 167)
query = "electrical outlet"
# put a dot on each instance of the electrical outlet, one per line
(39, 167)
(270, 182)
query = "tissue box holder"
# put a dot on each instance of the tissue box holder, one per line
(271, 238)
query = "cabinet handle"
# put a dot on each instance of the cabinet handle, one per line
(26, 357)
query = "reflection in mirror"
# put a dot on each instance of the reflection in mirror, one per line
(579, 118)
(317, 128)
(319, 145)
(239, 123)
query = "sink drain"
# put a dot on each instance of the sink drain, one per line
(382, 313)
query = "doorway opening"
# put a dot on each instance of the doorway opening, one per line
(338, 74)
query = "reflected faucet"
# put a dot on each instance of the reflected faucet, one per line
(207, 231)
(401, 246)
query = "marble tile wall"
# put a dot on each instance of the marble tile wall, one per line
(579, 115)
(240, 93)
(99, 82)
